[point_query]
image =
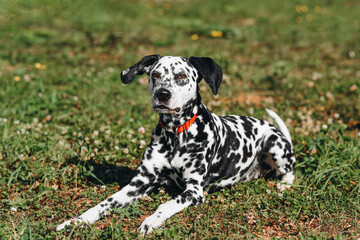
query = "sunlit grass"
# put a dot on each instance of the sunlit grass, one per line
(71, 134)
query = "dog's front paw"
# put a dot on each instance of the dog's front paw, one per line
(150, 223)
(74, 221)
(282, 187)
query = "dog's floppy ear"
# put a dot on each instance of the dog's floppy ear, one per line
(141, 67)
(209, 70)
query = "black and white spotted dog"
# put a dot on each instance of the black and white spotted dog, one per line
(192, 146)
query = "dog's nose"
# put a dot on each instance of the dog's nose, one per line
(163, 95)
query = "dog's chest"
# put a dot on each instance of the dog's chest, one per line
(182, 150)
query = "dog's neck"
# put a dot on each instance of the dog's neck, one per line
(169, 120)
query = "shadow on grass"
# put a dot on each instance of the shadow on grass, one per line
(102, 172)
(105, 173)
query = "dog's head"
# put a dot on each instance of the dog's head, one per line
(173, 80)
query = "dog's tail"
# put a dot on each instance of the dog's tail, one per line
(280, 123)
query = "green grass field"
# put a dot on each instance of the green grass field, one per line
(69, 127)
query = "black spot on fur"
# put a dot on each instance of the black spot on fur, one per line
(248, 127)
(193, 181)
(246, 153)
(137, 183)
(270, 142)
(188, 164)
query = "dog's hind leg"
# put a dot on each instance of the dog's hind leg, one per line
(283, 156)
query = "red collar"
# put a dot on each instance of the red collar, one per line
(184, 127)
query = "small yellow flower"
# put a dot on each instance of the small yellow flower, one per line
(168, 6)
(195, 37)
(37, 65)
(305, 8)
(40, 66)
(216, 34)
(318, 9)
(301, 8)
(299, 20)
(160, 11)
(17, 78)
(309, 17)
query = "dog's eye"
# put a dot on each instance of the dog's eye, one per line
(181, 76)
(155, 75)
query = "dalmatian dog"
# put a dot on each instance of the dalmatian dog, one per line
(191, 146)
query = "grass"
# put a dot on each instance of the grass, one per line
(69, 128)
